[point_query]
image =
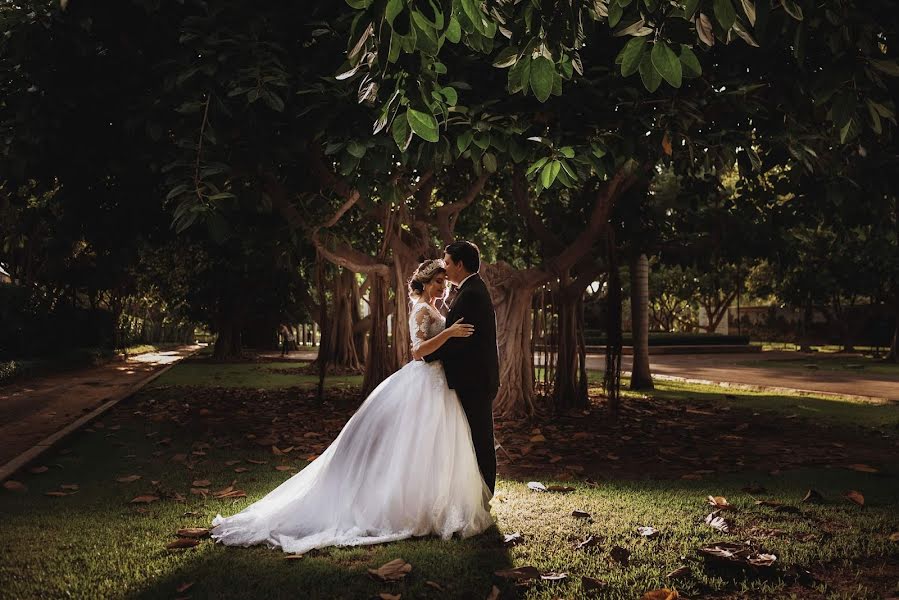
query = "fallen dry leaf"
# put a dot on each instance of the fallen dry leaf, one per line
(553, 576)
(536, 486)
(15, 486)
(856, 497)
(719, 502)
(255, 462)
(386, 596)
(510, 539)
(145, 499)
(494, 593)
(588, 542)
(678, 572)
(128, 478)
(661, 594)
(182, 543)
(38, 470)
(184, 587)
(648, 531)
(519, 573)
(434, 585)
(391, 571)
(580, 514)
(813, 496)
(592, 585)
(862, 468)
(69, 486)
(199, 491)
(559, 488)
(58, 494)
(193, 532)
(894, 537)
(716, 522)
(620, 555)
(762, 560)
(201, 483)
(240, 469)
(285, 468)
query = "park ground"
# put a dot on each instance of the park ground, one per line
(93, 518)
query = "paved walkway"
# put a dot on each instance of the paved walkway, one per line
(35, 409)
(726, 368)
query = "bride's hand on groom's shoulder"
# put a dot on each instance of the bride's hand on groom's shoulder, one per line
(460, 329)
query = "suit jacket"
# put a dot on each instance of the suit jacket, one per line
(471, 364)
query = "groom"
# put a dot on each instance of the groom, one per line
(472, 364)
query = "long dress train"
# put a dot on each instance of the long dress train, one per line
(404, 465)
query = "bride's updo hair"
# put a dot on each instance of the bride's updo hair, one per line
(425, 274)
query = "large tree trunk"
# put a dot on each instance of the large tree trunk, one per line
(228, 344)
(513, 292)
(570, 386)
(340, 347)
(381, 361)
(641, 376)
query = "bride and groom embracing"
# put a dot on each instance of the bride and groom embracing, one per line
(417, 458)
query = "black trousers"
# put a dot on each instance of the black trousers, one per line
(478, 407)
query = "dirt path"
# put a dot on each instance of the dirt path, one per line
(35, 409)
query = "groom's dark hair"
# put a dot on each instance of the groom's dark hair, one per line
(467, 253)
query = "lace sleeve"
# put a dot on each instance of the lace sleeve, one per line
(419, 325)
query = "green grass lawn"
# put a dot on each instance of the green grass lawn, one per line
(863, 365)
(97, 544)
(263, 375)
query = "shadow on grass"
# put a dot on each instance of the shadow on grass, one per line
(462, 569)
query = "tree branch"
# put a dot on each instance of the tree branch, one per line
(551, 243)
(448, 213)
(606, 197)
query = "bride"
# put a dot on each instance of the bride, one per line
(404, 465)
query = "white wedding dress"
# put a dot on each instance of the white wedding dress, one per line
(404, 465)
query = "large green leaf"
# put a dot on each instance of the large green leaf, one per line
(394, 8)
(690, 7)
(541, 77)
(401, 134)
(463, 141)
(549, 173)
(630, 57)
(725, 13)
(691, 66)
(652, 79)
(423, 124)
(666, 63)
(454, 31)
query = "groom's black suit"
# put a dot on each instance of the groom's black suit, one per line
(472, 368)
